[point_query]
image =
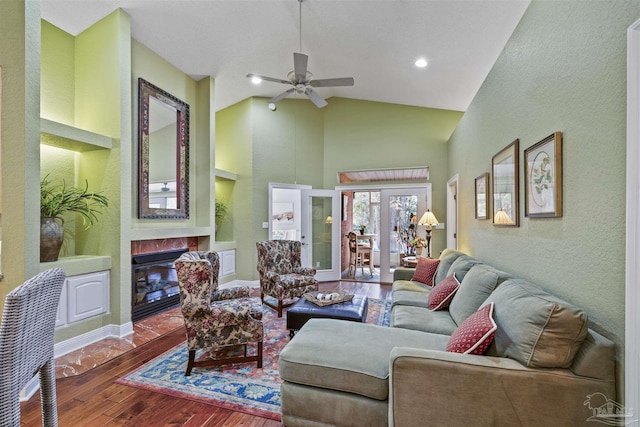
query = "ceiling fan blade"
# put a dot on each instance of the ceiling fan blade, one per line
(269, 79)
(315, 98)
(300, 66)
(342, 81)
(282, 96)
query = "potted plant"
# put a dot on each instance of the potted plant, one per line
(222, 211)
(419, 243)
(56, 199)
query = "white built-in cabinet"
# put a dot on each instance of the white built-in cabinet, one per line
(227, 263)
(83, 296)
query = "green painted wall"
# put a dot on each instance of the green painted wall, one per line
(299, 143)
(564, 69)
(369, 135)
(19, 140)
(57, 75)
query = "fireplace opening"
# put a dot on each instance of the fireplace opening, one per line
(154, 283)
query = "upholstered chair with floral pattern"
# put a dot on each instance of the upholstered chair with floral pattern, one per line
(281, 275)
(216, 320)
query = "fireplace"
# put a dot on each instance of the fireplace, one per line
(154, 284)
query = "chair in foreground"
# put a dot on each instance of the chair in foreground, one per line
(281, 275)
(215, 319)
(26, 345)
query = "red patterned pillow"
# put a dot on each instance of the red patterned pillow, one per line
(441, 295)
(474, 335)
(425, 270)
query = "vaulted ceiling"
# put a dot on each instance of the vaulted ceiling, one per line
(374, 41)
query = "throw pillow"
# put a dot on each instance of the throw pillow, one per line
(425, 270)
(474, 335)
(441, 295)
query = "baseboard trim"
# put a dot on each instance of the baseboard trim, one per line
(75, 343)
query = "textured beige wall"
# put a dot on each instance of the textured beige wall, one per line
(564, 69)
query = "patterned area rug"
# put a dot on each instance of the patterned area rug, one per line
(239, 387)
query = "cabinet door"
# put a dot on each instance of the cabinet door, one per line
(228, 266)
(87, 295)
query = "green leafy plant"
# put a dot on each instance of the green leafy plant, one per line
(56, 198)
(222, 211)
(419, 242)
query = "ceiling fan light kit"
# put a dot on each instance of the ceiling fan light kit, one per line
(301, 78)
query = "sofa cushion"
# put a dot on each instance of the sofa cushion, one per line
(474, 289)
(536, 328)
(461, 266)
(475, 335)
(407, 285)
(416, 299)
(330, 354)
(422, 319)
(447, 257)
(441, 295)
(425, 270)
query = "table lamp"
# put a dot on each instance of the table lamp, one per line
(430, 220)
(502, 218)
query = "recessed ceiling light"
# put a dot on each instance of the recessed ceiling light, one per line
(256, 80)
(421, 62)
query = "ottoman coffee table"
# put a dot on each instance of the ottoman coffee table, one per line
(303, 310)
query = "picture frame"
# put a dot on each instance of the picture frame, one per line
(505, 167)
(482, 196)
(543, 178)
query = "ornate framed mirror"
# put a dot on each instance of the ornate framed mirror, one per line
(163, 154)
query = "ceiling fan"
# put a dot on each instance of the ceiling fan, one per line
(301, 79)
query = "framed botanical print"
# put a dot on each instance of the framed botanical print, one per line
(482, 196)
(504, 177)
(543, 178)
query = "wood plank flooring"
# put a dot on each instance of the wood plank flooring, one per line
(93, 399)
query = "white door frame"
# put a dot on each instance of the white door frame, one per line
(632, 250)
(452, 212)
(373, 187)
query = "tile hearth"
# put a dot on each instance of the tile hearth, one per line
(95, 354)
(145, 330)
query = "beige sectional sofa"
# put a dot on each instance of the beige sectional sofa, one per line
(541, 368)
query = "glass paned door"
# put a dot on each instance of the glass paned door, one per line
(400, 210)
(321, 232)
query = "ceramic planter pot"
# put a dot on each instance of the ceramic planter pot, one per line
(51, 238)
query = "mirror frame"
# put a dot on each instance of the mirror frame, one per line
(146, 90)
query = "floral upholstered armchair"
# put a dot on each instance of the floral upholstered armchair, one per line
(281, 275)
(216, 319)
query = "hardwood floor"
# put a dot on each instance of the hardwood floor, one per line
(93, 399)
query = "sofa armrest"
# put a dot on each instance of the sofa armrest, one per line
(403, 273)
(452, 388)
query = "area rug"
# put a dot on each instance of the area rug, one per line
(239, 387)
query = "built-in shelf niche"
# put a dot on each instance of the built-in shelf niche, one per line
(223, 174)
(71, 138)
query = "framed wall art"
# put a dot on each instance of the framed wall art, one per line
(482, 196)
(543, 178)
(504, 177)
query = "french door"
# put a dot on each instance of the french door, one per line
(321, 233)
(400, 209)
